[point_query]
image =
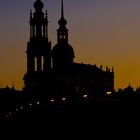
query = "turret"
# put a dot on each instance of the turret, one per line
(62, 53)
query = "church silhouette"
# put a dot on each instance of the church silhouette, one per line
(55, 83)
(51, 70)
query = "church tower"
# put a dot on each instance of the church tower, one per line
(62, 52)
(38, 50)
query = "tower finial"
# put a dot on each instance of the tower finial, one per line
(62, 21)
(62, 10)
(38, 5)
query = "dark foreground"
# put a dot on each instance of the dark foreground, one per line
(87, 107)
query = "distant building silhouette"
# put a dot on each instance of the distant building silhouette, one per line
(52, 71)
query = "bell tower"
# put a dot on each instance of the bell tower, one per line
(62, 52)
(62, 32)
(38, 50)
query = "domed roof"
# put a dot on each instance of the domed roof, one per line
(38, 5)
(63, 50)
(62, 22)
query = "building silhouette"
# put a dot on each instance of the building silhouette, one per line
(54, 82)
(51, 70)
(38, 51)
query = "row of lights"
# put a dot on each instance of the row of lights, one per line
(51, 100)
(38, 103)
(20, 108)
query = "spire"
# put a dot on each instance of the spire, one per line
(62, 22)
(62, 32)
(62, 10)
(62, 52)
(13, 86)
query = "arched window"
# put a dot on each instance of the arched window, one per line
(34, 31)
(45, 31)
(42, 63)
(42, 31)
(35, 62)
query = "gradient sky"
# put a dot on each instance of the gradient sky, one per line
(102, 32)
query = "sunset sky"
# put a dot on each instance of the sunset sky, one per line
(102, 32)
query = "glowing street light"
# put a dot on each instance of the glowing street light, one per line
(85, 96)
(52, 100)
(21, 107)
(109, 93)
(10, 113)
(38, 103)
(63, 99)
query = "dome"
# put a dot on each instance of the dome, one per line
(62, 22)
(38, 5)
(63, 51)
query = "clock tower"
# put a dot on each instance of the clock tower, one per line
(38, 51)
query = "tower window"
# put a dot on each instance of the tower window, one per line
(45, 34)
(34, 31)
(52, 63)
(42, 31)
(35, 62)
(61, 36)
(42, 63)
